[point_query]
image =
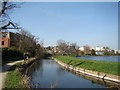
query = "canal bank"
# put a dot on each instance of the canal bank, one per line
(101, 75)
(14, 74)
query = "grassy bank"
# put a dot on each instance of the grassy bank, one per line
(100, 66)
(15, 78)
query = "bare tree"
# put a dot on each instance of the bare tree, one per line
(62, 46)
(106, 50)
(73, 48)
(80, 52)
(86, 50)
(67, 48)
(5, 20)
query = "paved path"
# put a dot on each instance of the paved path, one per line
(4, 71)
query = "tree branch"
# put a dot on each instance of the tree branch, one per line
(4, 15)
(6, 26)
(3, 8)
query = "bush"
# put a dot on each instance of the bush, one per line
(11, 52)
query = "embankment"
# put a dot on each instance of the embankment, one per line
(96, 74)
(17, 77)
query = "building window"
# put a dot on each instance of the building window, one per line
(2, 42)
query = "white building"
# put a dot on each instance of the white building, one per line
(81, 48)
(117, 51)
(97, 48)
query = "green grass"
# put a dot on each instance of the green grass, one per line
(100, 66)
(14, 78)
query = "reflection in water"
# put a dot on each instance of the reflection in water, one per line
(34, 67)
(54, 84)
(95, 80)
(48, 74)
(60, 71)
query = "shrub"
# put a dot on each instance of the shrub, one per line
(11, 52)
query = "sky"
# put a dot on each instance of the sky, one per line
(84, 23)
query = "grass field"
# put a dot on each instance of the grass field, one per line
(100, 66)
(14, 78)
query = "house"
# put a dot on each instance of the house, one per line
(117, 51)
(8, 39)
(97, 48)
(82, 48)
(4, 39)
(87, 50)
(56, 50)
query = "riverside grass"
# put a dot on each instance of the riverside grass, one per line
(14, 77)
(99, 66)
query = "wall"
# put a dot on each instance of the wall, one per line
(6, 39)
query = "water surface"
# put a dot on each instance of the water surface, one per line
(48, 74)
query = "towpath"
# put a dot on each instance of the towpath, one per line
(4, 70)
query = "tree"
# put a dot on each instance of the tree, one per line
(112, 52)
(93, 52)
(62, 45)
(49, 48)
(86, 50)
(5, 20)
(73, 49)
(27, 43)
(23, 40)
(106, 50)
(66, 47)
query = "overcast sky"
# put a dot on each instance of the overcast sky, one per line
(91, 23)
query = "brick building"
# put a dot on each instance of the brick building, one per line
(4, 39)
(9, 39)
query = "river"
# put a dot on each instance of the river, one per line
(48, 74)
(103, 58)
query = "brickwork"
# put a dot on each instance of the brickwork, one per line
(4, 39)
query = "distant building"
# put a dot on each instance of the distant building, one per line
(97, 48)
(82, 48)
(117, 51)
(56, 50)
(4, 39)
